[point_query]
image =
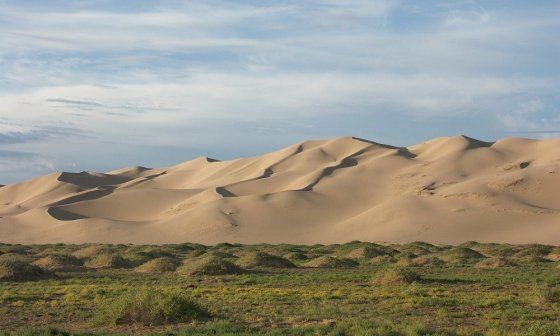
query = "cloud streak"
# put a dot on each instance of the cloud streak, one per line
(240, 72)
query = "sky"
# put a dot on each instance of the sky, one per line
(101, 85)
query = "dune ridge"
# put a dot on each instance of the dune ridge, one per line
(446, 190)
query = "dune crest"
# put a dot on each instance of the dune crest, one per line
(446, 190)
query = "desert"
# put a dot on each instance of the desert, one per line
(447, 190)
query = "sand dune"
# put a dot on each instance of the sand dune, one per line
(446, 190)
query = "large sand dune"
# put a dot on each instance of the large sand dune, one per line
(446, 190)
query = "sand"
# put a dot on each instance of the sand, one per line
(447, 190)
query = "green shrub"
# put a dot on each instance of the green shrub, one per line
(500, 250)
(495, 262)
(427, 260)
(534, 253)
(209, 265)
(366, 252)
(158, 265)
(16, 256)
(295, 256)
(18, 270)
(460, 255)
(219, 254)
(18, 249)
(59, 263)
(422, 245)
(150, 307)
(106, 260)
(381, 260)
(46, 331)
(396, 276)
(263, 259)
(92, 251)
(549, 294)
(542, 329)
(533, 250)
(331, 262)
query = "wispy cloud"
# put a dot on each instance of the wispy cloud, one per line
(209, 74)
(22, 165)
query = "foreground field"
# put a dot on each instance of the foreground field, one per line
(349, 289)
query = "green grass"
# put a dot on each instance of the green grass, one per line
(370, 297)
(397, 275)
(149, 307)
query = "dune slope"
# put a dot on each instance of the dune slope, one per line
(447, 190)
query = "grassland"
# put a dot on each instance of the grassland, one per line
(348, 289)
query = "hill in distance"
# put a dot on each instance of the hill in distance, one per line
(447, 190)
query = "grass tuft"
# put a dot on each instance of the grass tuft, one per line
(106, 260)
(158, 265)
(263, 259)
(461, 255)
(492, 263)
(149, 307)
(19, 270)
(331, 262)
(209, 265)
(59, 263)
(396, 276)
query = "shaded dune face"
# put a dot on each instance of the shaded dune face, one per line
(447, 190)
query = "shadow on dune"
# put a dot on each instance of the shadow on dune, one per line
(63, 215)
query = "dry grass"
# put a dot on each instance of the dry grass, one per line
(330, 262)
(263, 259)
(209, 265)
(158, 265)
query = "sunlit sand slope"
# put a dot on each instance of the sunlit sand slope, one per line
(446, 190)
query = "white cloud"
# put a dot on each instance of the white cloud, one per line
(23, 165)
(183, 67)
(109, 111)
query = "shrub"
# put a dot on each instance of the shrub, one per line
(549, 294)
(59, 263)
(158, 265)
(209, 265)
(136, 259)
(219, 254)
(17, 249)
(16, 256)
(500, 250)
(531, 259)
(263, 259)
(534, 250)
(106, 260)
(461, 255)
(381, 260)
(495, 262)
(554, 254)
(424, 246)
(533, 254)
(92, 251)
(405, 255)
(295, 256)
(138, 255)
(366, 252)
(151, 251)
(427, 260)
(44, 331)
(404, 262)
(359, 249)
(396, 276)
(150, 307)
(18, 270)
(330, 262)
(419, 248)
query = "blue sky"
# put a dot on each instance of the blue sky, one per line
(98, 85)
